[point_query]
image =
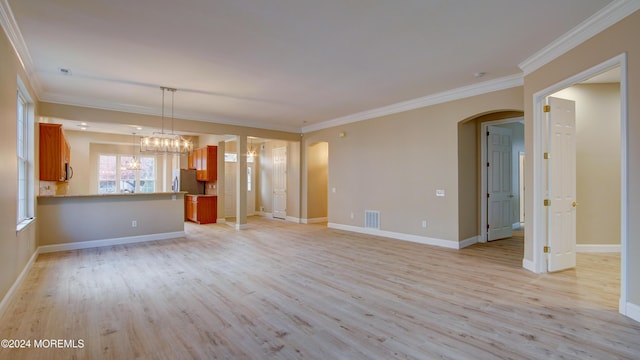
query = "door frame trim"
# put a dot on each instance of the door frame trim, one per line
(539, 218)
(286, 185)
(483, 172)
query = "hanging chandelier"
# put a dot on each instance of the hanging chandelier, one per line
(166, 143)
(133, 163)
(251, 152)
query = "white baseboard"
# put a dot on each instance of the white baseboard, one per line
(221, 221)
(631, 310)
(468, 242)
(237, 226)
(315, 220)
(109, 242)
(7, 297)
(265, 214)
(399, 236)
(592, 248)
(528, 265)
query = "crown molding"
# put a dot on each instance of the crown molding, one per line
(595, 24)
(10, 27)
(154, 111)
(484, 87)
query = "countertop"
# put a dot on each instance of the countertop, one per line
(113, 195)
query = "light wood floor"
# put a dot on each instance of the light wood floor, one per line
(289, 291)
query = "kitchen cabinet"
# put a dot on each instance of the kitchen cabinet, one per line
(202, 209)
(55, 154)
(191, 161)
(206, 163)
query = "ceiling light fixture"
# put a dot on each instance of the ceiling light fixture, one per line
(251, 151)
(166, 143)
(134, 162)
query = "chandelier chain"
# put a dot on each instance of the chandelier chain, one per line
(166, 143)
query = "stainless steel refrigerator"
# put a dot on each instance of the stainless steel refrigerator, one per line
(185, 180)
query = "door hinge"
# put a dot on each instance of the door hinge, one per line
(547, 156)
(487, 226)
(488, 195)
(547, 202)
(488, 165)
(547, 108)
(547, 249)
(488, 133)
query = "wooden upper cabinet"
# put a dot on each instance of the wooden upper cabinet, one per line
(206, 160)
(55, 153)
(197, 160)
(191, 161)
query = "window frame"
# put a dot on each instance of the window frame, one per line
(119, 172)
(25, 196)
(115, 180)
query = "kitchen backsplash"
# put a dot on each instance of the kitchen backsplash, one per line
(49, 188)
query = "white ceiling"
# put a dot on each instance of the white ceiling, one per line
(279, 64)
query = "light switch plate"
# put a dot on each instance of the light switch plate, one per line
(440, 192)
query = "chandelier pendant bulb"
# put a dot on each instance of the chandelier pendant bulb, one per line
(133, 163)
(251, 152)
(166, 143)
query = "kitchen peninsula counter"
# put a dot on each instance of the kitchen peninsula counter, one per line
(89, 220)
(113, 194)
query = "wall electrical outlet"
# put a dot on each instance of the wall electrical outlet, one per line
(134, 223)
(352, 216)
(424, 224)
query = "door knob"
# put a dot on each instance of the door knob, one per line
(574, 204)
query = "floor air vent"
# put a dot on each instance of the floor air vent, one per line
(372, 219)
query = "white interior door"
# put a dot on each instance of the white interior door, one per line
(280, 183)
(230, 189)
(500, 196)
(562, 184)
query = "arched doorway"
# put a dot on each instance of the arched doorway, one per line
(472, 170)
